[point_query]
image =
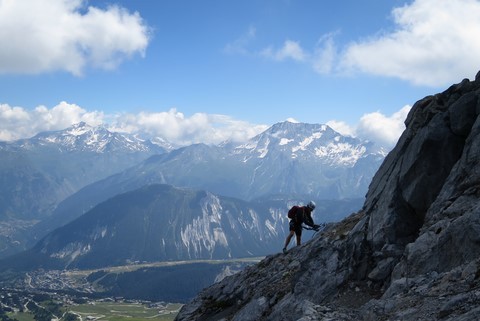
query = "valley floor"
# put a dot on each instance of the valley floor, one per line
(87, 295)
(90, 310)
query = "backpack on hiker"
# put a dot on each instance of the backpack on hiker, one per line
(292, 213)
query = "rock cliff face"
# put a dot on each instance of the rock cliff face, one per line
(411, 253)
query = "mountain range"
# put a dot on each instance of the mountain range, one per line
(288, 161)
(50, 166)
(159, 223)
(36, 174)
(288, 158)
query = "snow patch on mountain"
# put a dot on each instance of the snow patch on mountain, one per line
(219, 237)
(307, 141)
(71, 251)
(255, 226)
(263, 151)
(247, 146)
(205, 232)
(276, 220)
(270, 227)
(285, 141)
(341, 153)
(78, 129)
(98, 233)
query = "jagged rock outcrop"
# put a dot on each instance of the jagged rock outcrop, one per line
(411, 253)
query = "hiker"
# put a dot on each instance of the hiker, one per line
(299, 215)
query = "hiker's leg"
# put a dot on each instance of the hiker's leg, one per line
(298, 233)
(289, 237)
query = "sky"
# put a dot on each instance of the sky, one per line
(207, 71)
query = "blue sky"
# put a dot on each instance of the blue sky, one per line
(205, 71)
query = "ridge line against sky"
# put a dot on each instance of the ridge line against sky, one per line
(210, 71)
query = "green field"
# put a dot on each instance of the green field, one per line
(21, 316)
(120, 311)
(115, 311)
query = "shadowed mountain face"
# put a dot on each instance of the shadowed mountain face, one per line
(411, 253)
(155, 223)
(164, 223)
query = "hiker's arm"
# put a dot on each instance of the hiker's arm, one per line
(309, 220)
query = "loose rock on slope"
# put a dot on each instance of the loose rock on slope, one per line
(411, 253)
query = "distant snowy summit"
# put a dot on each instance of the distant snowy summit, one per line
(308, 142)
(84, 137)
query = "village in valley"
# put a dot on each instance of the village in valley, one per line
(57, 296)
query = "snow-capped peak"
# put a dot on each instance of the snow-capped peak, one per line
(305, 141)
(78, 129)
(84, 137)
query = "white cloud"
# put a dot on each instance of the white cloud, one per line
(435, 43)
(17, 123)
(64, 115)
(213, 129)
(180, 130)
(12, 120)
(325, 54)
(64, 35)
(382, 129)
(289, 50)
(292, 120)
(341, 127)
(240, 45)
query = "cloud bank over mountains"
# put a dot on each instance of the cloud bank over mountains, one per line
(431, 43)
(179, 129)
(17, 122)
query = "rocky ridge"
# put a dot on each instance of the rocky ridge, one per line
(411, 253)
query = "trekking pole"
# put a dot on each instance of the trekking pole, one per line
(320, 227)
